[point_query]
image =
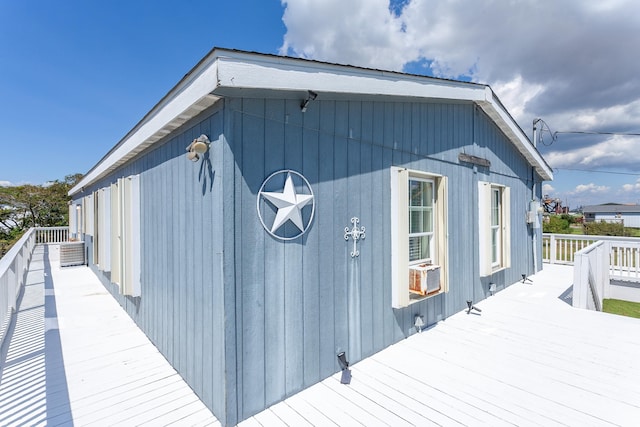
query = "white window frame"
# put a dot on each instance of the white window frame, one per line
(496, 227)
(432, 233)
(75, 220)
(401, 296)
(489, 263)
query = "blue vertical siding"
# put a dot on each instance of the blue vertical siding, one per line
(248, 319)
(182, 307)
(313, 299)
(275, 385)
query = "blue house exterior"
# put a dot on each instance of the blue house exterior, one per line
(243, 266)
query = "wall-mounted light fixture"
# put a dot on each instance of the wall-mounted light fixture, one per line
(492, 288)
(344, 365)
(471, 307)
(198, 147)
(418, 323)
(311, 95)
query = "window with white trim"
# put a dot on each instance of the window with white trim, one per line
(421, 227)
(494, 228)
(419, 235)
(75, 220)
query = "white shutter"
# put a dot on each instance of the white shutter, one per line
(399, 237)
(88, 214)
(98, 228)
(84, 214)
(131, 237)
(506, 227)
(73, 222)
(442, 232)
(95, 227)
(105, 229)
(484, 228)
(115, 232)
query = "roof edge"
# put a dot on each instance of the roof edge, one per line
(223, 71)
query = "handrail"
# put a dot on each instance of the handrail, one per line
(560, 248)
(591, 275)
(13, 273)
(597, 260)
(14, 266)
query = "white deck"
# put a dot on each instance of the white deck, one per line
(529, 359)
(76, 358)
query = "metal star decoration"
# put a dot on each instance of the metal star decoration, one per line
(289, 205)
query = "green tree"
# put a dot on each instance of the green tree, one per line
(556, 225)
(603, 228)
(30, 205)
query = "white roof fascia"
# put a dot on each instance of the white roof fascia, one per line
(183, 102)
(225, 71)
(241, 70)
(496, 111)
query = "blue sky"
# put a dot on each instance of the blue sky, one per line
(75, 76)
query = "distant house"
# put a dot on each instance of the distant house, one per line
(628, 215)
(270, 212)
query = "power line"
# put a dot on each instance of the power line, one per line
(597, 133)
(599, 171)
(544, 127)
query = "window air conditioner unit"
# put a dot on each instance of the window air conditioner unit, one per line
(424, 279)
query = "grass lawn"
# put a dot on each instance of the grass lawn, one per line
(624, 308)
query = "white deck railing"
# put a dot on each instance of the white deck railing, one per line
(596, 260)
(591, 275)
(52, 234)
(13, 272)
(14, 265)
(624, 259)
(560, 248)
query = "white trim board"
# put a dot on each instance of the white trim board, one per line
(225, 72)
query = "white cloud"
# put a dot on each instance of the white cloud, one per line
(617, 151)
(5, 184)
(570, 62)
(590, 188)
(628, 188)
(356, 32)
(547, 189)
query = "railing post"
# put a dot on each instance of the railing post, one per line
(605, 290)
(578, 277)
(552, 249)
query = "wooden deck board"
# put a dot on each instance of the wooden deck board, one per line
(23, 370)
(528, 359)
(76, 358)
(289, 416)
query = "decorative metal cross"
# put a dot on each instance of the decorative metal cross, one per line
(356, 233)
